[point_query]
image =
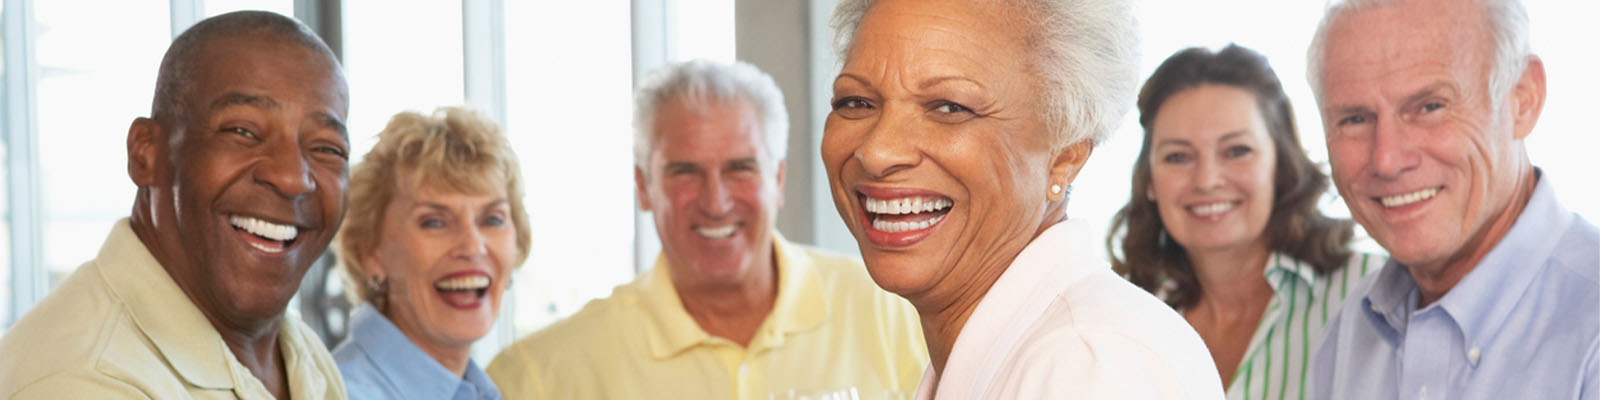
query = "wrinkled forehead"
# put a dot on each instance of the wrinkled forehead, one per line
(1405, 42)
(688, 128)
(952, 34)
(268, 62)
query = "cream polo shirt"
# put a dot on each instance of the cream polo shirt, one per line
(831, 331)
(119, 327)
(1058, 324)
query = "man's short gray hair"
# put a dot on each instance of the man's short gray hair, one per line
(702, 85)
(1508, 32)
(174, 78)
(1085, 54)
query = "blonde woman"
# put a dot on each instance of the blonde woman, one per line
(434, 229)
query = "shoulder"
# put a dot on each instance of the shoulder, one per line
(70, 330)
(573, 342)
(1576, 252)
(78, 383)
(1104, 332)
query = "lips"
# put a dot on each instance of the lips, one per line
(717, 232)
(463, 290)
(1213, 210)
(266, 236)
(901, 217)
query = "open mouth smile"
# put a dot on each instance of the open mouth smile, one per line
(903, 220)
(1405, 199)
(463, 290)
(269, 237)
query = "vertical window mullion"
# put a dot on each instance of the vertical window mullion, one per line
(28, 282)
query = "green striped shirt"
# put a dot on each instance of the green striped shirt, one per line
(1277, 363)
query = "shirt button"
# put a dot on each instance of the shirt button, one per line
(1472, 354)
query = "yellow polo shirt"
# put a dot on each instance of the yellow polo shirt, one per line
(120, 328)
(831, 331)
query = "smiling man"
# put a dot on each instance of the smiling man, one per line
(241, 170)
(731, 310)
(1493, 291)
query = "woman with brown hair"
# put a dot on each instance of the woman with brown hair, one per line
(1223, 222)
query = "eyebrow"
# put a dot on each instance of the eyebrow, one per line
(931, 82)
(442, 207)
(231, 99)
(1185, 142)
(1427, 91)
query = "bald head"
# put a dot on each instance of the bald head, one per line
(173, 80)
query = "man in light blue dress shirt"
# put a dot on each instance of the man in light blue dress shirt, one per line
(379, 362)
(1493, 289)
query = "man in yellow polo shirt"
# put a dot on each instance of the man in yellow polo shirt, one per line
(731, 310)
(241, 176)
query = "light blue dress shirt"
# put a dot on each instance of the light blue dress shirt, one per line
(1524, 324)
(379, 362)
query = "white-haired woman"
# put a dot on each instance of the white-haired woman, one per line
(957, 129)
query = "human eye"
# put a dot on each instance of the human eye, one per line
(244, 132)
(1175, 158)
(1237, 151)
(332, 150)
(1354, 119)
(950, 112)
(430, 222)
(852, 107)
(494, 220)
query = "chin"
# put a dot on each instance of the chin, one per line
(896, 273)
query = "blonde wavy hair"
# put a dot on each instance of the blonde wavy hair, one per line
(455, 148)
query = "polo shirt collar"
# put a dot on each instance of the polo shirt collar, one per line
(401, 362)
(162, 311)
(799, 305)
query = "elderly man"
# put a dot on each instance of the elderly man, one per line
(731, 309)
(241, 172)
(1493, 291)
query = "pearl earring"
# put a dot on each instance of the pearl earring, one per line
(1055, 189)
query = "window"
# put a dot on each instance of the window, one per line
(89, 90)
(217, 7)
(569, 117)
(399, 56)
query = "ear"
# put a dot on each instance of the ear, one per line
(370, 265)
(782, 171)
(1066, 164)
(146, 145)
(639, 182)
(1527, 98)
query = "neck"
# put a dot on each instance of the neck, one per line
(1433, 281)
(1232, 280)
(734, 312)
(254, 342)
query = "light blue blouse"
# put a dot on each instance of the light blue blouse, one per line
(379, 362)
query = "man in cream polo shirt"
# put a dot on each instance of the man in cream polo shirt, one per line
(731, 310)
(242, 175)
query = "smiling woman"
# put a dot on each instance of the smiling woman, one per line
(435, 227)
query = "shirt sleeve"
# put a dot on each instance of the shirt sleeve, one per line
(79, 385)
(516, 376)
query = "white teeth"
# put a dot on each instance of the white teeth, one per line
(265, 229)
(906, 205)
(1408, 198)
(469, 282)
(904, 226)
(1206, 210)
(718, 232)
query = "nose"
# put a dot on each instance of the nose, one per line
(889, 147)
(1207, 174)
(285, 169)
(714, 197)
(470, 244)
(1393, 150)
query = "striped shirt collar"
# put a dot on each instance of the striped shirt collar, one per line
(1281, 269)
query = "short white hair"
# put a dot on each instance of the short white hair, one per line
(703, 85)
(1085, 53)
(1508, 32)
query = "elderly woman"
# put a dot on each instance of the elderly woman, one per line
(1223, 223)
(957, 128)
(434, 229)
